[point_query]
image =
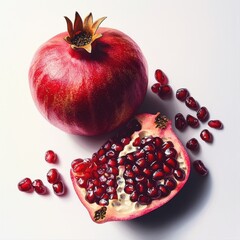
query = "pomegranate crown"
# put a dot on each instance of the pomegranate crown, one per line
(83, 33)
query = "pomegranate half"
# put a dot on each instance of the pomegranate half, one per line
(137, 171)
(89, 80)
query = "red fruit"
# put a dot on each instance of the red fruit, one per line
(206, 136)
(81, 81)
(180, 121)
(25, 185)
(161, 77)
(191, 103)
(155, 87)
(217, 124)
(51, 156)
(192, 121)
(53, 175)
(165, 91)
(193, 144)
(58, 188)
(148, 172)
(202, 114)
(39, 187)
(200, 167)
(182, 94)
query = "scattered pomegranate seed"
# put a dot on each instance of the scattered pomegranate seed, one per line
(180, 121)
(191, 103)
(217, 124)
(51, 156)
(53, 176)
(202, 114)
(25, 185)
(200, 167)
(165, 91)
(161, 77)
(193, 144)
(155, 87)
(206, 136)
(58, 188)
(182, 94)
(192, 121)
(39, 187)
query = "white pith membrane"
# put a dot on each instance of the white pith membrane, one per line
(123, 208)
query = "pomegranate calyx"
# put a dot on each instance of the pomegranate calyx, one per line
(82, 33)
(161, 121)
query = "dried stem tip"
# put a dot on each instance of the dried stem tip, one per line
(82, 33)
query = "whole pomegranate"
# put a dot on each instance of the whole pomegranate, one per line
(133, 173)
(90, 80)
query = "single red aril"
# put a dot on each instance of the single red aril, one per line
(165, 91)
(206, 136)
(51, 156)
(191, 103)
(81, 80)
(58, 188)
(200, 167)
(217, 124)
(193, 144)
(182, 94)
(161, 77)
(203, 114)
(25, 185)
(39, 187)
(132, 180)
(155, 87)
(180, 121)
(192, 121)
(53, 175)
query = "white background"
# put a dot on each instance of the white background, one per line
(197, 44)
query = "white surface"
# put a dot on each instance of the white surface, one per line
(197, 44)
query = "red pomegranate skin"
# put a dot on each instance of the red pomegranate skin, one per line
(89, 93)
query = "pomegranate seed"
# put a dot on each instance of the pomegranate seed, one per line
(155, 87)
(144, 200)
(25, 185)
(153, 192)
(180, 122)
(182, 94)
(171, 162)
(39, 187)
(58, 188)
(161, 77)
(200, 167)
(206, 136)
(192, 121)
(191, 103)
(179, 174)
(134, 196)
(170, 183)
(53, 176)
(164, 190)
(202, 114)
(51, 156)
(192, 144)
(217, 124)
(165, 91)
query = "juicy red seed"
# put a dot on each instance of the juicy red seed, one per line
(215, 124)
(129, 181)
(159, 155)
(139, 153)
(129, 189)
(146, 140)
(137, 142)
(179, 174)
(141, 179)
(90, 197)
(121, 160)
(161, 77)
(206, 136)
(112, 162)
(25, 185)
(180, 121)
(149, 148)
(171, 153)
(192, 121)
(141, 188)
(39, 187)
(154, 192)
(117, 147)
(101, 152)
(167, 145)
(51, 156)
(182, 94)
(200, 167)
(107, 145)
(99, 191)
(155, 166)
(167, 169)
(170, 183)
(164, 190)
(81, 165)
(144, 200)
(136, 169)
(158, 175)
(202, 114)
(58, 188)
(150, 157)
(104, 201)
(128, 173)
(165, 91)
(82, 182)
(141, 162)
(52, 175)
(191, 103)
(158, 142)
(171, 162)
(155, 87)
(193, 144)
(111, 183)
(147, 172)
(134, 196)
(125, 141)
